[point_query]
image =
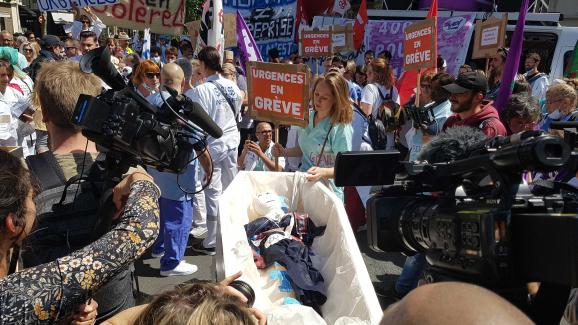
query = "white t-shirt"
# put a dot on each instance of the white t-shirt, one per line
(253, 162)
(539, 87)
(371, 95)
(96, 27)
(211, 99)
(8, 126)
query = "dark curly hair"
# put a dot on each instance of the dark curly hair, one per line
(16, 184)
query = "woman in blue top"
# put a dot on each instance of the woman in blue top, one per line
(329, 130)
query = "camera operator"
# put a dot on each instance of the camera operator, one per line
(194, 303)
(470, 108)
(58, 86)
(51, 292)
(176, 205)
(441, 109)
(223, 100)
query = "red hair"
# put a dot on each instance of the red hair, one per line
(144, 67)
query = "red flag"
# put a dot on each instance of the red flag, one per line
(359, 26)
(408, 80)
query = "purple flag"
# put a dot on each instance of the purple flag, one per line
(248, 49)
(513, 61)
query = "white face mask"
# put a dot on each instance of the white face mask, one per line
(150, 89)
(555, 115)
(157, 59)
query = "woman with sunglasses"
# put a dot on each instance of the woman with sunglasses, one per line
(146, 78)
(28, 51)
(86, 21)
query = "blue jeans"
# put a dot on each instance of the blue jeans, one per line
(412, 271)
(175, 224)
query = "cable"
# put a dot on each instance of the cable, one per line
(81, 174)
(184, 120)
(210, 178)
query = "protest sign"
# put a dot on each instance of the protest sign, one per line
(419, 49)
(278, 93)
(453, 39)
(161, 16)
(52, 5)
(489, 37)
(271, 22)
(316, 43)
(194, 27)
(342, 37)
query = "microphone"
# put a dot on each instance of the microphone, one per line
(454, 144)
(196, 114)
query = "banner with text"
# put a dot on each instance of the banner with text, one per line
(453, 39)
(161, 16)
(419, 45)
(271, 23)
(55, 5)
(278, 93)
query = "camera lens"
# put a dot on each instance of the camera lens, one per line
(244, 288)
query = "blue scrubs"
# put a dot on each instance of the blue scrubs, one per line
(311, 141)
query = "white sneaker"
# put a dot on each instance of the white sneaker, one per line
(199, 232)
(183, 268)
(157, 255)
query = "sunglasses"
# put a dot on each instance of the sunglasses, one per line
(151, 75)
(70, 48)
(28, 50)
(85, 22)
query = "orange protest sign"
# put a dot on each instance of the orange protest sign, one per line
(316, 43)
(419, 45)
(278, 93)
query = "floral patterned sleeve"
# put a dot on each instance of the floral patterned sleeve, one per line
(52, 291)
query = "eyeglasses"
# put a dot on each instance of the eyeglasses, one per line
(151, 75)
(28, 50)
(265, 132)
(553, 101)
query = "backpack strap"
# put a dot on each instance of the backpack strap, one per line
(227, 98)
(358, 110)
(49, 178)
(535, 77)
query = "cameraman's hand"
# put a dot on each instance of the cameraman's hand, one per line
(122, 189)
(278, 150)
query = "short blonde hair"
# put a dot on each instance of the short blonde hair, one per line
(57, 88)
(195, 304)
(563, 90)
(341, 113)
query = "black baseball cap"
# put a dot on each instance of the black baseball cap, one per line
(51, 41)
(468, 81)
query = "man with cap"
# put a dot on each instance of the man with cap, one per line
(123, 42)
(51, 50)
(469, 107)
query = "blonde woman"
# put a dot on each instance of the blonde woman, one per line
(329, 130)
(29, 51)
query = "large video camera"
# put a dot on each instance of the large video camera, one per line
(130, 130)
(469, 211)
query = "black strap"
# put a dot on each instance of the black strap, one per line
(222, 90)
(49, 178)
(535, 77)
(323, 147)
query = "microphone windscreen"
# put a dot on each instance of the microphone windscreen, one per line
(453, 144)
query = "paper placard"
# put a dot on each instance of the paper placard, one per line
(279, 93)
(490, 36)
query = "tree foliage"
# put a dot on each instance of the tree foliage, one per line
(193, 10)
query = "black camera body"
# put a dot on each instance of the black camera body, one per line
(126, 126)
(422, 115)
(495, 234)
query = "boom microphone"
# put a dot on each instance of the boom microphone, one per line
(196, 114)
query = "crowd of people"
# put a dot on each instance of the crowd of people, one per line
(41, 80)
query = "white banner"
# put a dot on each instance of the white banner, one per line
(54, 5)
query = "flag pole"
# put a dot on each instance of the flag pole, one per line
(418, 90)
(276, 140)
